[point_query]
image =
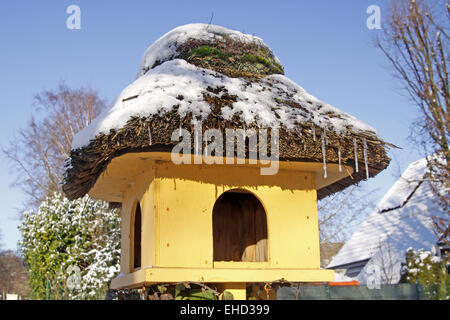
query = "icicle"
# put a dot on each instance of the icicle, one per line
(365, 158)
(149, 136)
(339, 156)
(197, 143)
(356, 154)
(180, 131)
(314, 133)
(324, 154)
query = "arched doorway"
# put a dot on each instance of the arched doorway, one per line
(239, 228)
(137, 236)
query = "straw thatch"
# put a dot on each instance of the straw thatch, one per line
(295, 145)
(229, 57)
(251, 61)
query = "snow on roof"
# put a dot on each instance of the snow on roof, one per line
(157, 89)
(339, 277)
(404, 186)
(166, 47)
(387, 235)
(160, 89)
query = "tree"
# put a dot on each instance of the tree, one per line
(415, 40)
(338, 215)
(13, 275)
(387, 260)
(39, 152)
(71, 248)
(340, 212)
(423, 268)
(1, 238)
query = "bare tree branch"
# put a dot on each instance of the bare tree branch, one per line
(39, 152)
(412, 41)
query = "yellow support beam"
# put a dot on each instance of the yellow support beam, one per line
(174, 275)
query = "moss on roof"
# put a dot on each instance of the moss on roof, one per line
(229, 57)
(252, 61)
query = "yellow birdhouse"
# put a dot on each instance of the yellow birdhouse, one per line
(218, 160)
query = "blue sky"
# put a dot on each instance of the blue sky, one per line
(324, 46)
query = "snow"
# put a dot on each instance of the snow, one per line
(404, 186)
(424, 260)
(156, 92)
(339, 277)
(384, 237)
(48, 233)
(165, 48)
(435, 259)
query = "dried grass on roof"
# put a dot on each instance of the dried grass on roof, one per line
(234, 59)
(300, 145)
(229, 57)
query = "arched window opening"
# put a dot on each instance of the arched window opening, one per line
(137, 237)
(239, 228)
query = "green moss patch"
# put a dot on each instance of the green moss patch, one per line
(229, 57)
(207, 51)
(267, 62)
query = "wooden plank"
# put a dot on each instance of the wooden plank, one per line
(150, 276)
(239, 228)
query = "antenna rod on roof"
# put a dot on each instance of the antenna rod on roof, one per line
(210, 20)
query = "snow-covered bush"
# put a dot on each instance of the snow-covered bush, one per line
(71, 248)
(422, 267)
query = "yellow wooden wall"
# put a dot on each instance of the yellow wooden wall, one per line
(177, 204)
(142, 191)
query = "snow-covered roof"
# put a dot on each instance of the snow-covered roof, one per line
(224, 79)
(160, 89)
(339, 277)
(156, 90)
(167, 47)
(402, 219)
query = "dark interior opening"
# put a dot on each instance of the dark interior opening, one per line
(137, 237)
(239, 228)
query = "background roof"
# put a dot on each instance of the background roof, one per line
(401, 220)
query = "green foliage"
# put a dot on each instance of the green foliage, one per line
(71, 242)
(423, 268)
(271, 64)
(201, 294)
(185, 291)
(232, 62)
(207, 51)
(227, 296)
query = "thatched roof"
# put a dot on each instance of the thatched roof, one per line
(224, 79)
